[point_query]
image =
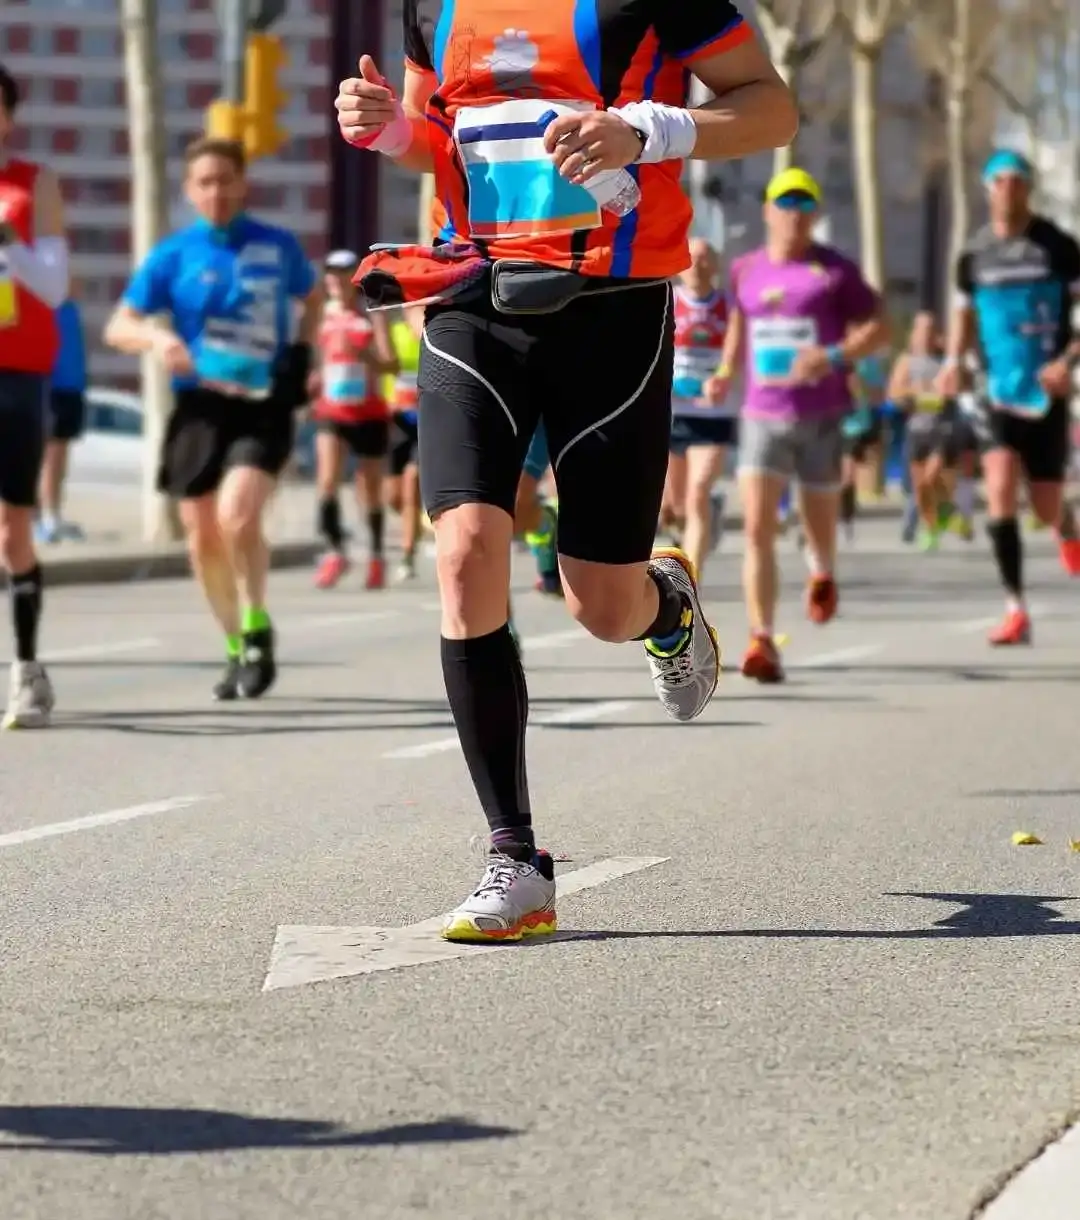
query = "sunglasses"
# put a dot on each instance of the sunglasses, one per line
(796, 201)
(1008, 175)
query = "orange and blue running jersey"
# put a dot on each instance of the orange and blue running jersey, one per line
(497, 68)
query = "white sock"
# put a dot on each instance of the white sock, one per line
(1015, 605)
(965, 497)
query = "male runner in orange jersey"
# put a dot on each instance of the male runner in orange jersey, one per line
(570, 322)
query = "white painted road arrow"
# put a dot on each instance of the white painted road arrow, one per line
(303, 955)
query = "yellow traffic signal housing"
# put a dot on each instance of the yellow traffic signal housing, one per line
(264, 98)
(225, 121)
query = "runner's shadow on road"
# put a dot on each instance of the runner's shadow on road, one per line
(983, 916)
(957, 673)
(131, 1130)
(1010, 793)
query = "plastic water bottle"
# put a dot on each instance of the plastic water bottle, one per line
(613, 189)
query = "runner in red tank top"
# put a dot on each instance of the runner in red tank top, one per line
(353, 416)
(33, 283)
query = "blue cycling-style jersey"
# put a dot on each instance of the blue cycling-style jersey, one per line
(231, 293)
(1020, 289)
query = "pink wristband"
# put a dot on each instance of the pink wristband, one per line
(391, 139)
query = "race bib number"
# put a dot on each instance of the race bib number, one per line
(774, 345)
(1019, 326)
(514, 188)
(230, 359)
(345, 383)
(9, 309)
(406, 392)
(687, 386)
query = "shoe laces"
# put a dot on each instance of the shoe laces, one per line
(676, 670)
(500, 871)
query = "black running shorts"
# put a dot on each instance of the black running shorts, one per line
(1042, 445)
(597, 372)
(23, 429)
(209, 434)
(403, 446)
(370, 438)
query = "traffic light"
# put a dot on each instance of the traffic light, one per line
(225, 121)
(263, 96)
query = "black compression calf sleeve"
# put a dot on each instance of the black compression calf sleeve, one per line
(330, 522)
(376, 520)
(26, 602)
(1009, 553)
(848, 503)
(485, 686)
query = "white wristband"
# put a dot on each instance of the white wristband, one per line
(670, 132)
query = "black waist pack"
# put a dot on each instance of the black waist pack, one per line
(519, 287)
(524, 287)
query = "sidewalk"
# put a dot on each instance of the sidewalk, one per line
(114, 551)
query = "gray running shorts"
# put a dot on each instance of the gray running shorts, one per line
(810, 451)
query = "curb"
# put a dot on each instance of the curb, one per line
(153, 563)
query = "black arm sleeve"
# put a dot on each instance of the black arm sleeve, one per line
(687, 27)
(413, 37)
(964, 282)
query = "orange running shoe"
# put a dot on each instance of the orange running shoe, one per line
(1014, 629)
(376, 574)
(822, 599)
(762, 661)
(332, 567)
(1069, 550)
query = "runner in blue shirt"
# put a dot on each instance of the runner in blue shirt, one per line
(243, 303)
(1017, 280)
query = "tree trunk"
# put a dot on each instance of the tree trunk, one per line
(146, 137)
(865, 70)
(957, 113)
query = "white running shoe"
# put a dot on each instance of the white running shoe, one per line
(513, 900)
(684, 676)
(30, 697)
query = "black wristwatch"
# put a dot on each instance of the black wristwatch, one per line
(643, 137)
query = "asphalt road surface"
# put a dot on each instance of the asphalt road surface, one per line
(803, 974)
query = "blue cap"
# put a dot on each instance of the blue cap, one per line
(1006, 161)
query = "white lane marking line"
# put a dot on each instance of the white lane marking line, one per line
(585, 714)
(117, 648)
(1047, 1188)
(555, 639)
(52, 829)
(303, 955)
(972, 625)
(316, 622)
(823, 660)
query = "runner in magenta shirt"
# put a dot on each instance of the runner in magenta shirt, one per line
(802, 315)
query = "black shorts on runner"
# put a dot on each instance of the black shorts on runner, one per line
(1042, 445)
(209, 434)
(856, 446)
(598, 372)
(403, 447)
(67, 415)
(689, 433)
(23, 430)
(368, 439)
(946, 435)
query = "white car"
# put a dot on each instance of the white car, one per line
(108, 456)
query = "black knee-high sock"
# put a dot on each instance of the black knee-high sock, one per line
(848, 503)
(26, 602)
(1009, 553)
(376, 519)
(485, 686)
(330, 522)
